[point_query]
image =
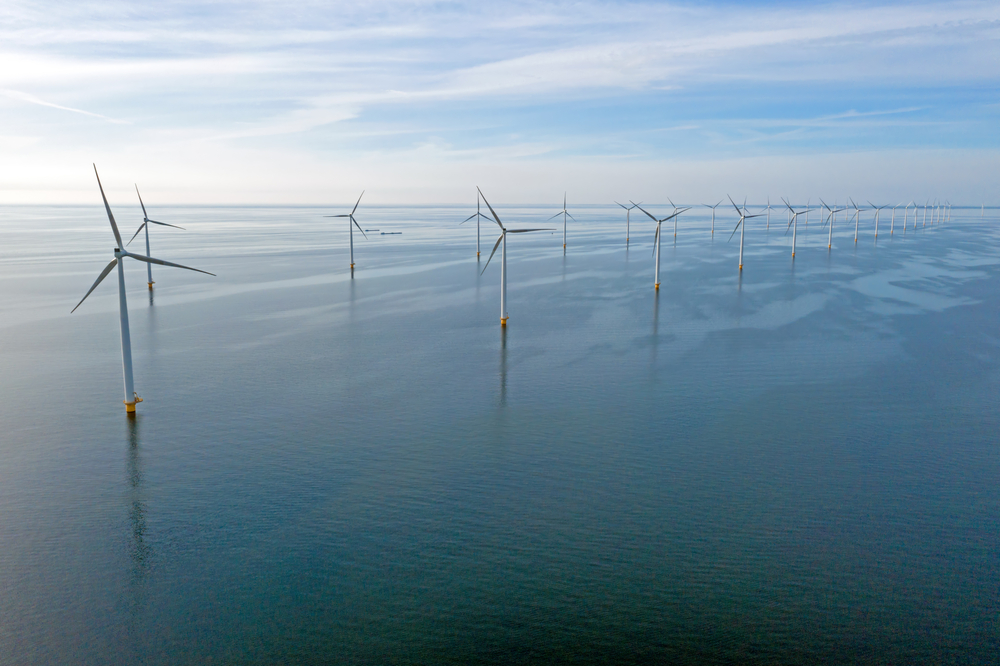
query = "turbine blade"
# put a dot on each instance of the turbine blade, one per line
(655, 236)
(471, 217)
(114, 227)
(647, 213)
(571, 216)
(359, 201)
(144, 216)
(104, 274)
(493, 252)
(735, 230)
(166, 225)
(495, 217)
(522, 231)
(555, 216)
(359, 227)
(735, 206)
(336, 216)
(136, 233)
(151, 260)
(622, 205)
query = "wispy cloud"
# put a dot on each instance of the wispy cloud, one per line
(31, 99)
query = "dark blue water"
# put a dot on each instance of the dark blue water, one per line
(797, 465)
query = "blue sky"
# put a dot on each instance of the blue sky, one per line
(260, 102)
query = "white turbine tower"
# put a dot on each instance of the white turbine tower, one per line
(878, 209)
(857, 219)
(477, 215)
(565, 214)
(713, 213)
(794, 224)
(628, 218)
(131, 397)
(656, 241)
(503, 257)
(350, 228)
(145, 225)
(741, 225)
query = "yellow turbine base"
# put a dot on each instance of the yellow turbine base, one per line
(564, 246)
(477, 254)
(352, 267)
(657, 285)
(741, 266)
(150, 286)
(503, 321)
(130, 406)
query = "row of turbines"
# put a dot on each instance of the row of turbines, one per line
(939, 212)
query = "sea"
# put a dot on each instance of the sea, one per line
(793, 463)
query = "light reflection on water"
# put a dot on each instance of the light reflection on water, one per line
(795, 463)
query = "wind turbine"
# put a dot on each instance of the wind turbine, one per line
(892, 221)
(857, 219)
(350, 216)
(675, 217)
(877, 211)
(656, 240)
(503, 257)
(832, 218)
(476, 215)
(742, 223)
(131, 397)
(768, 227)
(564, 213)
(628, 215)
(145, 225)
(794, 224)
(713, 213)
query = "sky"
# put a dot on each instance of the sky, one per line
(244, 102)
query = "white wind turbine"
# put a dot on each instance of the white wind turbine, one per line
(857, 219)
(674, 216)
(768, 213)
(350, 228)
(145, 225)
(831, 218)
(656, 240)
(793, 224)
(503, 256)
(628, 220)
(741, 225)
(565, 214)
(477, 215)
(131, 397)
(713, 213)
(878, 209)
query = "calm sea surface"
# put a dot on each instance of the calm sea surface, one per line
(800, 465)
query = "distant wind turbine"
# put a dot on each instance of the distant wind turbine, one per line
(503, 256)
(565, 214)
(713, 213)
(857, 219)
(477, 215)
(656, 240)
(878, 209)
(741, 225)
(794, 225)
(131, 397)
(145, 225)
(350, 228)
(628, 215)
